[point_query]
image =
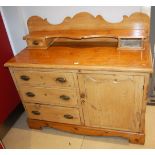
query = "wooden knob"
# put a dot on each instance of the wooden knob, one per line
(35, 42)
(82, 95)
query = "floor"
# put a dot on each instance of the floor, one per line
(20, 136)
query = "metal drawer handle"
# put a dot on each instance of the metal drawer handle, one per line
(64, 97)
(67, 116)
(30, 94)
(35, 42)
(36, 112)
(24, 77)
(61, 79)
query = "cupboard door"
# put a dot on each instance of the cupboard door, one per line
(112, 101)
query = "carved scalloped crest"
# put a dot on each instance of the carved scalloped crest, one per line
(86, 21)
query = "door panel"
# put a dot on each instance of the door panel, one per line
(112, 101)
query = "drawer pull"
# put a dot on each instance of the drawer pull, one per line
(61, 79)
(30, 94)
(24, 77)
(67, 116)
(64, 97)
(35, 42)
(36, 112)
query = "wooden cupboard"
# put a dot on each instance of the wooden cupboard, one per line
(79, 79)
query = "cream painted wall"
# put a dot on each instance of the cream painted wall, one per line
(15, 18)
(15, 27)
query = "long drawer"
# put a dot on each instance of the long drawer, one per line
(47, 79)
(53, 113)
(62, 97)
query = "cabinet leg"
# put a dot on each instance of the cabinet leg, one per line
(34, 124)
(138, 139)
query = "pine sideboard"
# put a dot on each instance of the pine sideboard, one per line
(76, 76)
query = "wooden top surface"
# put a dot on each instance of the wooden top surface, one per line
(79, 57)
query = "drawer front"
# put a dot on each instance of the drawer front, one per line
(49, 96)
(47, 79)
(35, 43)
(53, 113)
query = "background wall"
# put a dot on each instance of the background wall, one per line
(15, 18)
(15, 27)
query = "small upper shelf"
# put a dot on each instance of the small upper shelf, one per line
(85, 26)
